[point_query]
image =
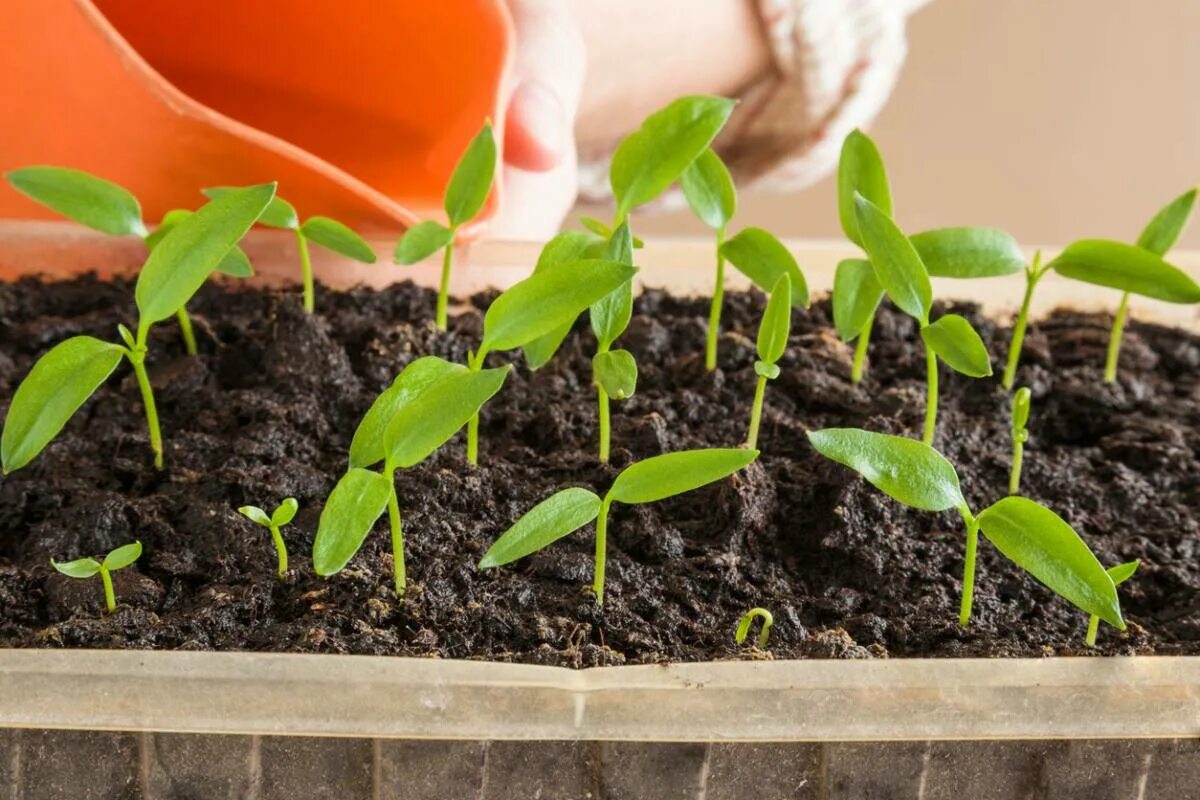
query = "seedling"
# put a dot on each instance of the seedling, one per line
(327, 232)
(87, 567)
(764, 633)
(773, 334)
(1119, 574)
(1020, 435)
(1134, 269)
(467, 191)
(764, 259)
(647, 481)
(1033, 275)
(65, 377)
(281, 516)
(1030, 535)
(710, 193)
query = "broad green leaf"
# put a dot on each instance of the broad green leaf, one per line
(425, 424)
(1123, 572)
(255, 514)
(1040, 542)
(79, 568)
(353, 506)
(192, 250)
(861, 171)
(897, 264)
(856, 295)
(123, 556)
(566, 246)
(99, 204)
(366, 448)
(279, 213)
(1128, 268)
(653, 157)
(610, 315)
(559, 514)
(709, 190)
(762, 258)
(333, 235)
(904, 469)
(1020, 407)
(59, 383)
(421, 241)
(235, 264)
(968, 252)
(667, 475)
(1163, 231)
(285, 512)
(957, 343)
(776, 322)
(472, 178)
(616, 371)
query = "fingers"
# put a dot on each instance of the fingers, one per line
(536, 129)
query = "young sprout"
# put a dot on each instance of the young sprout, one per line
(65, 377)
(1119, 574)
(1033, 274)
(467, 191)
(1134, 269)
(764, 633)
(87, 567)
(1030, 535)
(764, 259)
(327, 232)
(1020, 435)
(773, 334)
(647, 481)
(710, 193)
(281, 516)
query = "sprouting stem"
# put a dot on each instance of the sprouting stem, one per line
(756, 412)
(714, 312)
(1014, 477)
(185, 328)
(444, 286)
(281, 549)
(306, 271)
(474, 363)
(860, 352)
(764, 633)
(1093, 629)
(931, 398)
(1114, 340)
(968, 583)
(601, 549)
(602, 401)
(110, 599)
(1033, 274)
(397, 533)
(137, 357)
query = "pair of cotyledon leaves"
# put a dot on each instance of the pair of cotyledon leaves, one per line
(87, 567)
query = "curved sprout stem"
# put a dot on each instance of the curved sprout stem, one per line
(137, 358)
(756, 412)
(601, 551)
(968, 583)
(305, 270)
(1114, 340)
(185, 329)
(443, 297)
(764, 634)
(110, 599)
(714, 311)
(1018, 455)
(281, 550)
(1033, 274)
(860, 352)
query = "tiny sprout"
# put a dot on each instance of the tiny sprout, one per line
(277, 519)
(87, 567)
(1033, 275)
(646, 481)
(710, 193)
(773, 334)
(466, 192)
(743, 627)
(1119, 574)
(1020, 435)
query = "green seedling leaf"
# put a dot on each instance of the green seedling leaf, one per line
(654, 156)
(904, 469)
(557, 516)
(1041, 543)
(79, 568)
(472, 178)
(279, 213)
(667, 475)
(1123, 572)
(765, 370)
(604, 232)
(860, 171)
(762, 258)
(897, 264)
(436, 414)
(968, 252)
(1020, 407)
(1128, 268)
(856, 295)
(333, 235)
(616, 372)
(286, 512)
(709, 190)
(776, 322)
(99, 204)
(610, 314)
(957, 343)
(565, 247)
(367, 446)
(235, 264)
(421, 241)
(256, 515)
(123, 556)
(350, 512)
(1163, 231)
(59, 383)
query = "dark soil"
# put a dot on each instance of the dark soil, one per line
(269, 407)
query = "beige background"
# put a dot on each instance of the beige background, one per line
(1053, 119)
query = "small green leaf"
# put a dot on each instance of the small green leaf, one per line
(286, 512)
(566, 246)
(99, 204)
(762, 258)
(596, 226)
(765, 370)
(350, 512)
(904, 469)
(279, 213)
(610, 315)
(235, 264)
(425, 424)
(366, 448)
(861, 171)
(1040, 542)
(968, 252)
(558, 515)
(616, 371)
(79, 568)
(1163, 231)
(653, 157)
(123, 556)
(1128, 268)
(256, 515)
(126, 336)
(709, 190)
(667, 475)
(897, 264)
(856, 295)
(421, 241)
(1020, 407)
(957, 343)
(776, 322)
(472, 179)
(59, 383)
(1123, 572)
(333, 235)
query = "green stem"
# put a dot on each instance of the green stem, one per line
(605, 436)
(860, 351)
(1093, 629)
(1114, 340)
(601, 550)
(931, 397)
(306, 271)
(397, 536)
(185, 328)
(968, 590)
(281, 549)
(1032, 276)
(110, 599)
(138, 360)
(474, 363)
(756, 412)
(714, 311)
(1014, 477)
(443, 297)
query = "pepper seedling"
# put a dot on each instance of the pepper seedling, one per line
(1033, 275)
(66, 376)
(764, 634)
(1020, 435)
(646, 481)
(325, 231)
(1030, 535)
(1119, 574)
(1134, 269)
(110, 208)
(284, 513)
(773, 334)
(467, 191)
(87, 567)
(712, 196)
